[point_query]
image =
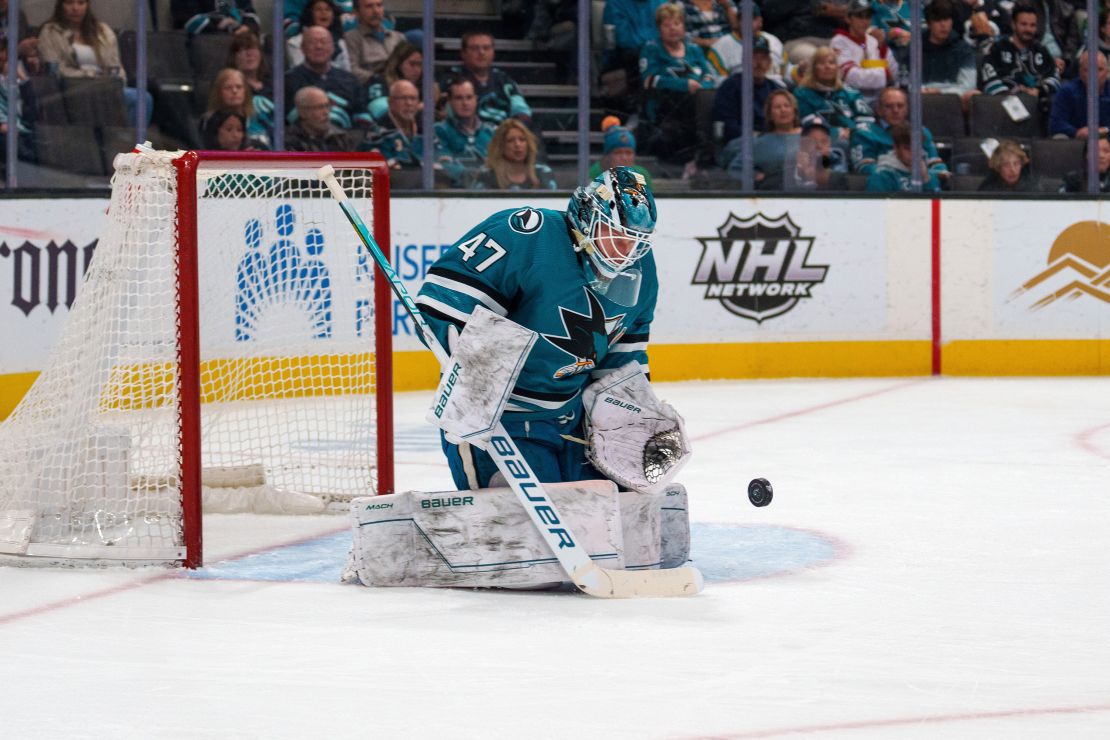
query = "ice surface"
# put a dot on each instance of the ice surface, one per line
(935, 564)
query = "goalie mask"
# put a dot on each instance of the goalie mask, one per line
(613, 219)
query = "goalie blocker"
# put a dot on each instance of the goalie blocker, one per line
(483, 538)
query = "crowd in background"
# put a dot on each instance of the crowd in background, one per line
(828, 86)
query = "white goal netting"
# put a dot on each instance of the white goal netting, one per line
(91, 460)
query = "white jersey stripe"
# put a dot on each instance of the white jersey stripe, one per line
(468, 290)
(629, 347)
(536, 402)
(443, 308)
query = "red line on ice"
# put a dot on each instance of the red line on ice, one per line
(1085, 440)
(139, 583)
(810, 409)
(900, 721)
(80, 598)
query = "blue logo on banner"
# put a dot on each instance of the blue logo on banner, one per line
(282, 272)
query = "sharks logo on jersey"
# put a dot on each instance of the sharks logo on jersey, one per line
(588, 336)
(526, 221)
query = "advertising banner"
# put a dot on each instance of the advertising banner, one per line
(45, 248)
(1026, 287)
(1049, 269)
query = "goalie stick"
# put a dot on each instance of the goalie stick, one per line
(582, 571)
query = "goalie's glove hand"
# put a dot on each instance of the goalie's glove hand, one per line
(635, 439)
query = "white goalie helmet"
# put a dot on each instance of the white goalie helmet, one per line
(614, 217)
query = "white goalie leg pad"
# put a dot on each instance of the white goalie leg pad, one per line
(633, 437)
(481, 538)
(641, 518)
(486, 360)
(674, 527)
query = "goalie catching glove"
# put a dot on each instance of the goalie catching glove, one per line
(633, 438)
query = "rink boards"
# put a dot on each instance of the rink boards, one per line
(748, 287)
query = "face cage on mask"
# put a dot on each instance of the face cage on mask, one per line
(609, 267)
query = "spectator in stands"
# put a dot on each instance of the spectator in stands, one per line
(399, 138)
(891, 24)
(82, 46)
(811, 22)
(818, 166)
(511, 162)
(631, 24)
(674, 71)
(325, 14)
(947, 59)
(313, 130)
(822, 93)
(370, 42)
(1103, 33)
(224, 130)
(27, 41)
(618, 149)
(727, 52)
(293, 10)
(777, 146)
(893, 173)
(245, 55)
(872, 140)
(30, 61)
(498, 96)
(344, 89)
(462, 138)
(406, 62)
(981, 21)
(1019, 63)
(1009, 171)
(866, 63)
(215, 16)
(709, 20)
(1076, 181)
(728, 100)
(1059, 30)
(554, 28)
(1068, 116)
(230, 93)
(25, 139)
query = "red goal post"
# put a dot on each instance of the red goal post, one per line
(231, 336)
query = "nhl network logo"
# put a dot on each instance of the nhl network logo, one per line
(756, 267)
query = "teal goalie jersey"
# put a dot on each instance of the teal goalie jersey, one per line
(521, 264)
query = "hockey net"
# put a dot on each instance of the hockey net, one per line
(228, 331)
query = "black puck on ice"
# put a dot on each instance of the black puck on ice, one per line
(760, 492)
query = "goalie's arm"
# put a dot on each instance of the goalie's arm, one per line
(631, 347)
(463, 278)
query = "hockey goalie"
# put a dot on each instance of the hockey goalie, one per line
(545, 315)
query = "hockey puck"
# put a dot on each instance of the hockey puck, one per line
(760, 492)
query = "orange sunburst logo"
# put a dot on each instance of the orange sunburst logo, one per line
(1078, 265)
